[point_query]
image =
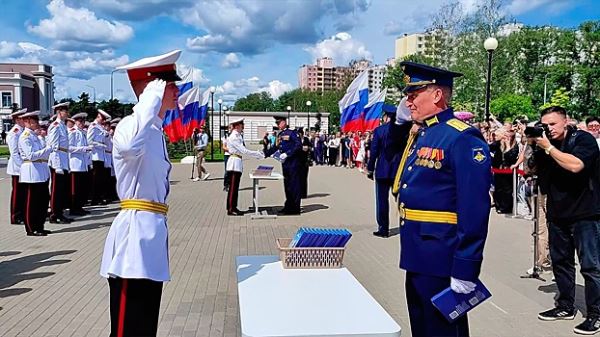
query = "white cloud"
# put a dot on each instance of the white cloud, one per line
(79, 29)
(230, 91)
(231, 60)
(276, 88)
(341, 47)
(517, 7)
(197, 74)
(10, 49)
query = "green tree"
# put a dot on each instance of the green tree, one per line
(510, 106)
(560, 97)
(260, 101)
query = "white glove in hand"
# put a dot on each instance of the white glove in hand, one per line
(59, 171)
(461, 286)
(89, 148)
(156, 87)
(283, 156)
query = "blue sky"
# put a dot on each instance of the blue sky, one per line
(238, 46)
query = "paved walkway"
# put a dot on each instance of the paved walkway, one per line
(50, 286)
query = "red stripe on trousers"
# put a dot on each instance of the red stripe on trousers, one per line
(27, 217)
(231, 186)
(73, 184)
(13, 198)
(122, 307)
(53, 190)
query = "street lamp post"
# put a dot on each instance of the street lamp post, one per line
(490, 45)
(93, 88)
(220, 101)
(289, 109)
(308, 104)
(111, 83)
(212, 114)
(226, 113)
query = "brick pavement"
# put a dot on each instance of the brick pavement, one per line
(50, 286)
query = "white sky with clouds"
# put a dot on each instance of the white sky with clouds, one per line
(238, 46)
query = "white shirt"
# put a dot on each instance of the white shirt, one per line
(224, 144)
(108, 161)
(95, 137)
(78, 150)
(14, 161)
(137, 244)
(235, 145)
(31, 150)
(58, 141)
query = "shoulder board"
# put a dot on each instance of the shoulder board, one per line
(55, 123)
(458, 124)
(16, 129)
(93, 123)
(25, 134)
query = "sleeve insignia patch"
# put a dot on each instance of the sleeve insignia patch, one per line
(458, 124)
(286, 137)
(26, 134)
(479, 155)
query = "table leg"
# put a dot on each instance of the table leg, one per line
(255, 192)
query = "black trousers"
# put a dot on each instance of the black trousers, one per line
(333, 154)
(303, 171)
(226, 176)
(36, 206)
(234, 187)
(98, 182)
(17, 201)
(78, 192)
(134, 307)
(503, 190)
(565, 239)
(59, 194)
(292, 184)
(425, 319)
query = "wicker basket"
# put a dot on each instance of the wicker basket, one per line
(309, 257)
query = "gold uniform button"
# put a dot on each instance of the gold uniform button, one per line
(404, 186)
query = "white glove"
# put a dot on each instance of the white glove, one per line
(156, 87)
(402, 113)
(59, 171)
(89, 148)
(461, 286)
(283, 156)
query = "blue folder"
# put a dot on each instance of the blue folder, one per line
(454, 305)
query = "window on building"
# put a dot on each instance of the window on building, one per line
(7, 99)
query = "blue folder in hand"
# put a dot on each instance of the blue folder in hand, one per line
(454, 305)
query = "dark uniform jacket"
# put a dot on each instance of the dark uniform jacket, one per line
(385, 155)
(443, 199)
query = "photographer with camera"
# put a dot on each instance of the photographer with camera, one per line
(567, 165)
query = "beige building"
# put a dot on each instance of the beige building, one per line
(324, 75)
(409, 45)
(27, 85)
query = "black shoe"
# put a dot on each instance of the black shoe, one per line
(36, 234)
(60, 220)
(45, 231)
(381, 234)
(234, 213)
(79, 212)
(18, 222)
(590, 326)
(557, 314)
(288, 212)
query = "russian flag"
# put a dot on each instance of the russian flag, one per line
(172, 125)
(353, 103)
(186, 83)
(193, 106)
(374, 110)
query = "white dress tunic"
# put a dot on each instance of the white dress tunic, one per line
(78, 150)
(137, 243)
(14, 162)
(95, 138)
(35, 156)
(236, 149)
(58, 141)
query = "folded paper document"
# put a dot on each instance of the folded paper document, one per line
(320, 237)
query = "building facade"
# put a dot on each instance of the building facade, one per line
(26, 85)
(409, 44)
(257, 123)
(324, 75)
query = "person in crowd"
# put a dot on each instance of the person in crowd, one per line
(3, 137)
(266, 142)
(442, 184)
(368, 140)
(58, 140)
(505, 154)
(95, 138)
(318, 148)
(236, 149)
(290, 152)
(13, 169)
(355, 147)
(135, 260)
(593, 126)
(345, 146)
(200, 144)
(78, 164)
(226, 155)
(304, 161)
(272, 138)
(325, 138)
(567, 161)
(333, 145)
(34, 175)
(360, 155)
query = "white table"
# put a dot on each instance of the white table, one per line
(255, 187)
(306, 302)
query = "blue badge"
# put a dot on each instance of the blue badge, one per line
(479, 155)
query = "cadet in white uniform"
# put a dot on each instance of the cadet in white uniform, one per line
(236, 149)
(108, 162)
(58, 141)
(95, 138)
(135, 258)
(78, 164)
(17, 195)
(34, 176)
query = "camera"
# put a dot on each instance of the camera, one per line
(537, 131)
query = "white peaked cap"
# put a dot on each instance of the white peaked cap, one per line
(59, 105)
(236, 121)
(18, 113)
(31, 114)
(105, 114)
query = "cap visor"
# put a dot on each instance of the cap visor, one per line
(411, 88)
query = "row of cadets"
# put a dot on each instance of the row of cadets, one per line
(79, 160)
(13, 169)
(110, 193)
(96, 138)
(58, 141)
(34, 175)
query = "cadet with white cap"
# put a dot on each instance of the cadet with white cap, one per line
(108, 162)
(236, 149)
(34, 175)
(78, 164)
(135, 259)
(17, 195)
(58, 141)
(95, 138)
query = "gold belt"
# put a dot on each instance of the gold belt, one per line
(63, 149)
(235, 155)
(428, 216)
(145, 205)
(35, 161)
